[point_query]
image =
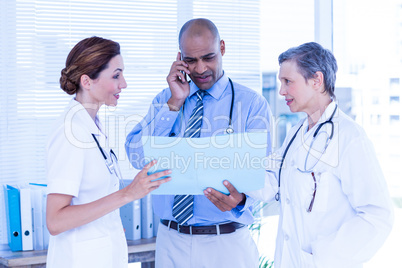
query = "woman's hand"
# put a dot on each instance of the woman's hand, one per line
(62, 216)
(143, 183)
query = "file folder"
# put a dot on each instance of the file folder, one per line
(130, 215)
(12, 202)
(26, 219)
(147, 229)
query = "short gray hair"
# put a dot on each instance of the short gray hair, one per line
(311, 58)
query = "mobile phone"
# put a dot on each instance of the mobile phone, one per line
(184, 73)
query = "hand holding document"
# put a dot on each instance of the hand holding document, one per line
(206, 162)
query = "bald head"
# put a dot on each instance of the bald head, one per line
(202, 50)
(197, 27)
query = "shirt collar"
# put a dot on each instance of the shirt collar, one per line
(216, 90)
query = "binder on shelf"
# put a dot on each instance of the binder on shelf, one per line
(147, 229)
(12, 202)
(46, 234)
(40, 232)
(36, 200)
(156, 224)
(26, 219)
(130, 215)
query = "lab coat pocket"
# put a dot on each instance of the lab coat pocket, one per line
(307, 260)
(322, 192)
(93, 253)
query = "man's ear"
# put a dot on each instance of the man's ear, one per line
(318, 80)
(222, 47)
(86, 81)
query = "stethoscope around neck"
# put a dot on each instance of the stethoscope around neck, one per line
(329, 121)
(111, 162)
(229, 129)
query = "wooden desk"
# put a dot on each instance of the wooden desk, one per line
(142, 250)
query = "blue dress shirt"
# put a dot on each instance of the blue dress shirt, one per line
(251, 112)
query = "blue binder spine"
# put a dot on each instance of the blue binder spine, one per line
(12, 201)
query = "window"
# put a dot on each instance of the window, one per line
(367, 38)
(375, 119)
(394, 80)
(36, 36)
(367, 45)
(284, 24)
(394, 119)
(394, 100)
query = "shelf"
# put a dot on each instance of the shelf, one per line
(142, 250)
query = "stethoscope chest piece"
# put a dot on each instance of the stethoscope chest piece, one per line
(229, 130)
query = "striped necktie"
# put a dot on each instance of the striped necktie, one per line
(183, 204)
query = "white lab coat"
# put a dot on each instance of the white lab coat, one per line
(352, 213)
(75, 166)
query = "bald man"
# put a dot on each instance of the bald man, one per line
(213, 232)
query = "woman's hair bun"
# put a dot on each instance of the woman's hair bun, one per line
(67, 84)
(88, 57)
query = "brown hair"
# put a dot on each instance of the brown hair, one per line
(89, 56)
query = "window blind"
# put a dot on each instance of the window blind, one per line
(36, 36)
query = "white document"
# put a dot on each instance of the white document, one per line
(199, 163)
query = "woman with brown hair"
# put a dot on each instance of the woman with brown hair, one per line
(83, 174)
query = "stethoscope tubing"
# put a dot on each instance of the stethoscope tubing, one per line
(278, 194)
(231, 109)
(105, 157)
(100, 148)
(229, 129)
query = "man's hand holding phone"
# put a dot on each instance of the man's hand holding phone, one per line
(177, 80)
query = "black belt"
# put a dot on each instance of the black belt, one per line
(226, 228)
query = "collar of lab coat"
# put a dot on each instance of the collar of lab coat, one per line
(324, 117)
(81, 114)
(303, 143)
